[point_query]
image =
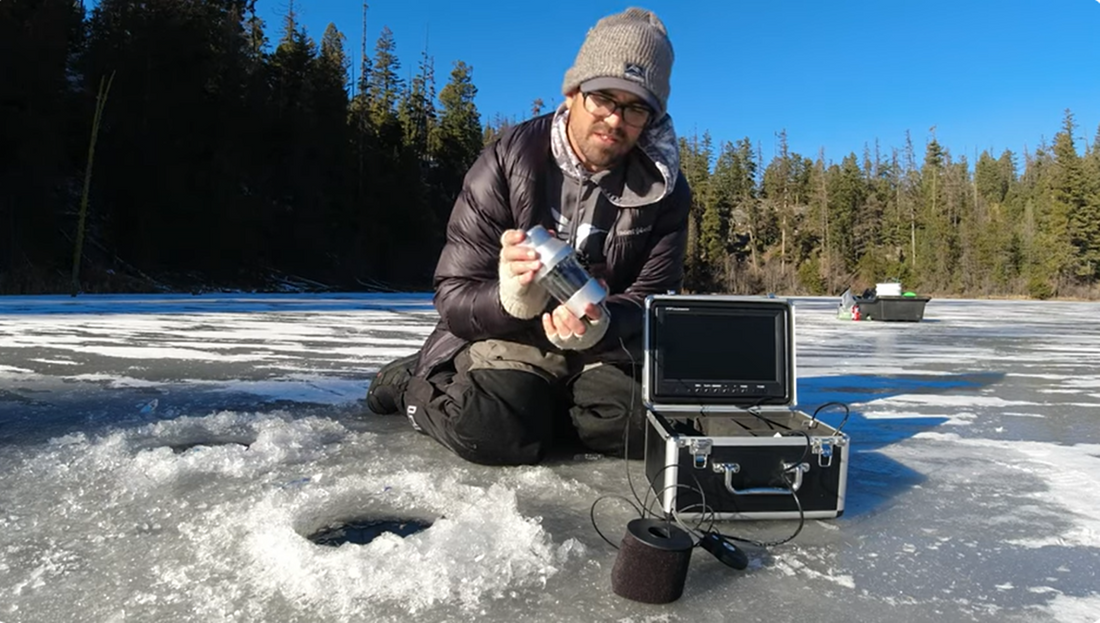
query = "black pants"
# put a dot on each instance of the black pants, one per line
(506, 404)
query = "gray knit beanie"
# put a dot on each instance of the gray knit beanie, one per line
(628, 51)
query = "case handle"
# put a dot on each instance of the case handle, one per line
(732, 468)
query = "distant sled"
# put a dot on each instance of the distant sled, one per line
(884, 302)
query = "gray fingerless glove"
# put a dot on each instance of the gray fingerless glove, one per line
(520, 301)
(592, 335)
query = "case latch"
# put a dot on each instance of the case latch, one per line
(700, 450)
(823, 448)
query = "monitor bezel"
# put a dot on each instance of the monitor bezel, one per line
(784, 391)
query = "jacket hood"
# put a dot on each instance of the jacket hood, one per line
(651, 169)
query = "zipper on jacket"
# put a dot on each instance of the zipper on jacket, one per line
(578, 213)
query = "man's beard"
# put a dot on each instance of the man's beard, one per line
(604, 156)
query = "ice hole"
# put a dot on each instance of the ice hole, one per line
(365, 530)
(180, 448)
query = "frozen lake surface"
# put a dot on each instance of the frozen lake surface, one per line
(163, 458)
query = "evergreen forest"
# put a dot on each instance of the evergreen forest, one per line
(171, 146)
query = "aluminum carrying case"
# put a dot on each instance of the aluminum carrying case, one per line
(724, 438)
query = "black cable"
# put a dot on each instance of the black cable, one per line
(794, 494)
(767, 544)
(761, 544)
(847, 413)
(754, 410)
(592, 514)
(771, 424)
(626, 428)
(809, 444)
(698, 522)
(698, 489)
(672, 515)
(745, 426)
(658, 493)
(640, 505)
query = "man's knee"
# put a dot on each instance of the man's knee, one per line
(611, 390)
(608, 411)
(506, 418)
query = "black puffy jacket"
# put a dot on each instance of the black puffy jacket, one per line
(506, 189)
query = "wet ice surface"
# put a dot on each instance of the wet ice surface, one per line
(164, 458)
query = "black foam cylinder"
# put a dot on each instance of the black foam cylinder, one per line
(652, 563)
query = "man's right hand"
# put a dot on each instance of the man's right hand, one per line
(520, 296)
(518, 260)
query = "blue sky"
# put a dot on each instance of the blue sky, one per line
(988, 74)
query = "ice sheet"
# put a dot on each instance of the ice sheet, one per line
(164, 458)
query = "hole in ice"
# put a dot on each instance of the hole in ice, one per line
(363, 531)
(180, 448)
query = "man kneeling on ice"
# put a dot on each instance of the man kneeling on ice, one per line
(507, 371)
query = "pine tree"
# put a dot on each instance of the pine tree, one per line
(846, 197)
(254, 31)
(1074, 202)
(785, 189)
(990, 179)
(714, 217)
(1091, 219)
(987, 247)
(695, 166)
(495, 127)
(384, 85)
(331, 141)
(422, 201)
(417, 111)
(870, 229)
(811, 238)
(933, 224)
(458, 138)
(332, 66)
(363, 153)
(739, 185)
(290, 182)
(1046, 251)
(182, 77)
(41, 138)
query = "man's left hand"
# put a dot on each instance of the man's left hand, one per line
(564, 323)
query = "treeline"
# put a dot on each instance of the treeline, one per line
(943, 225)
(220, 160)
(223, 159)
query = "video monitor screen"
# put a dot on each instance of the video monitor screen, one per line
(720, 351)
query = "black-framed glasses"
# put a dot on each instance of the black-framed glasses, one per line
(601, 105)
